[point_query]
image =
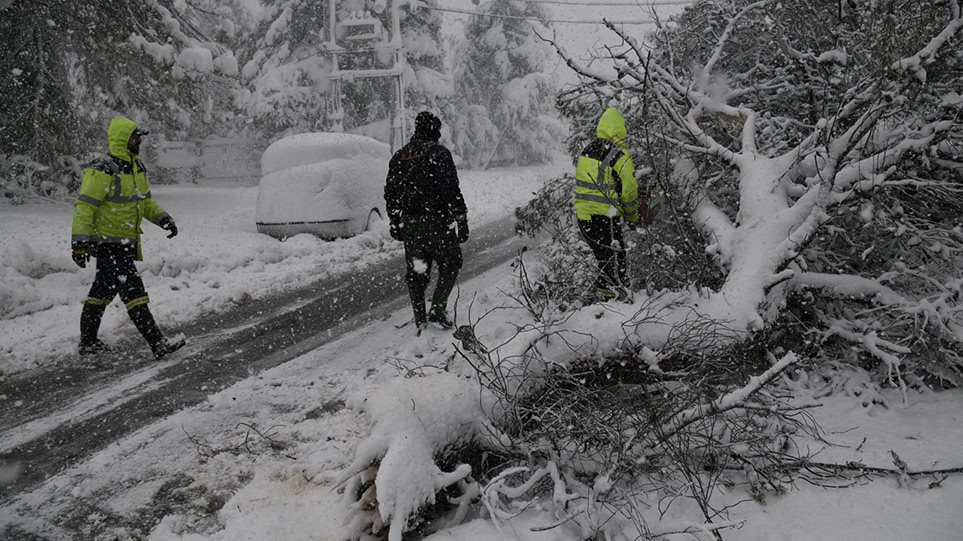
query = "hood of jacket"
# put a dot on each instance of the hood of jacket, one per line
(118, 134)
(612, 127)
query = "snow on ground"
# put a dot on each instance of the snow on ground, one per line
(258, 460)
(217, 260)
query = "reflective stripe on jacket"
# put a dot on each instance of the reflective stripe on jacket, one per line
(605, 182)
(114, 195)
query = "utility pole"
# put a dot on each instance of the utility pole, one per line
(364, 29)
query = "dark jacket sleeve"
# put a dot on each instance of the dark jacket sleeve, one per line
(394, 189)
(448, 185)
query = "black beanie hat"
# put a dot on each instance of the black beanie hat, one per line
(427, 125)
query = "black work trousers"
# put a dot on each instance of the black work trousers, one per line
(604, 237)
(117, 274)
(430, 239)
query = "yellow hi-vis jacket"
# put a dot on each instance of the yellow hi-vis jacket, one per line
(605, 182)
(114, 195)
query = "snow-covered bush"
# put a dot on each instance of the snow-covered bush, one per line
(427, 82)
(21, 177)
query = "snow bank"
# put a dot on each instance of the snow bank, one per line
(25, 277)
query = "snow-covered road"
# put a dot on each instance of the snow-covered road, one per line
(79, 406)
(246, 302)
(217, 262)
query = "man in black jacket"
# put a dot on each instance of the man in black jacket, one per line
(427, 212)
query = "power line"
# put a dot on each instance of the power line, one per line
(525, 18)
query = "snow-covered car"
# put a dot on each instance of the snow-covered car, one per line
(326, 184)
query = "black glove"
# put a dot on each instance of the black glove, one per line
(462, 222)
(167, 223)
(80, 254)
(395, 229)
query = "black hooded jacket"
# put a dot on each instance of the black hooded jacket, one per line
(422, 181)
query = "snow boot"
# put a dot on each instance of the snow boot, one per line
(159, 345)
(95, 348)
(90, 318)
(438, 317)
(421, 320)
(166, 346)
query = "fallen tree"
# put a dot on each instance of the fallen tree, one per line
(785, 160)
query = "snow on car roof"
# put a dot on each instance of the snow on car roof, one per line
(308, 148)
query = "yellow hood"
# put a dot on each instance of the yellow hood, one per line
(612, 127)
(118, 134)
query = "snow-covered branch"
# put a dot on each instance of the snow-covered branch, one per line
(728, 401)
(917, 62)
(584, 71)
(710, 64)
(411, 419)
(848, 284)
(717, 227)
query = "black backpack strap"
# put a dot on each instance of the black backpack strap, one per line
(612, 154)
(112, 168)
(105, 165)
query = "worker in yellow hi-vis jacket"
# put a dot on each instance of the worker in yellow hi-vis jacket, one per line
(114, 198)
(606, 194)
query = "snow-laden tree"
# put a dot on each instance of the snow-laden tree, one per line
(427, 82)
(812, 148)
(285, 68)
(69, 66)
(499, 112)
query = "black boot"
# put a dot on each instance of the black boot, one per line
(437, 315)
(418, 306)
(421, 319)
(90, 318)
(159, 345)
